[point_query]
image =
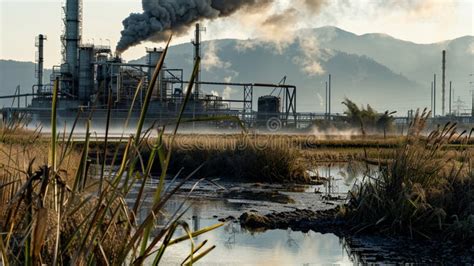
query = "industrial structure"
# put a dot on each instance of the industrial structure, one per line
(90, 75)
(459, 112)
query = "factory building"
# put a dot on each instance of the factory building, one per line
(91, 74)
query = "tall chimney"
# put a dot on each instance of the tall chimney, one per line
(329, 98)
(432, 101)
(450, 96)
(71, 40)
(40, 60)
(434, 96)
(472, 104)
(197, 54)
(443, 84)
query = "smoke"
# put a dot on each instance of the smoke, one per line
(415, 8)
(211, 59)
(161, 18)
(276, 24)
(227, 90)
(277, 29)
(309, 60)
(470, 49)
(272, 22)
(334, 133)
(314, 6)
(320, 98)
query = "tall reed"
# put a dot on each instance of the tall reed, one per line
(424, 192)
(85, 219)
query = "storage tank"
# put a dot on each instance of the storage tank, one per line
(101, 72)
(86, 73)
(268, 107)
(154, 55)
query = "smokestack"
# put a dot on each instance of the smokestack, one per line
(40, 60)
(443, 84)
(472, 106)
(72, 39)
(326, 105)
(434, 96)
(329, 97)
(432, 101)
(450, 96)
(197, 55)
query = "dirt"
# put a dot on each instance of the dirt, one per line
(260, 195)
(370, 247)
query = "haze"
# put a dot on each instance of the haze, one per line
(416, 21)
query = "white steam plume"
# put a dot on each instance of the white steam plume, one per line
(211, 59)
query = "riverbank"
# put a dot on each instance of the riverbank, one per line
(277, 168)
(424, 193)
(367, 246)
(282, 158)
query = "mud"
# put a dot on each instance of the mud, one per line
(370, 247)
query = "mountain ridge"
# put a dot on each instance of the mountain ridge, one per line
(371, 68)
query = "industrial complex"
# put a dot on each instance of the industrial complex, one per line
(90, 75)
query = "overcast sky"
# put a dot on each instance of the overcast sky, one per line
(420, 21)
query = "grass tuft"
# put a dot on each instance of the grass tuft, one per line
(426, 191)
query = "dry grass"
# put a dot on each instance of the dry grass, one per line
(425, 191)
(241, 157)
(55, 212)
(279, 158)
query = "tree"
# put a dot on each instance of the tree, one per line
(368, 118)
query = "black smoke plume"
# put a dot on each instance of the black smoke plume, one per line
(161, 17)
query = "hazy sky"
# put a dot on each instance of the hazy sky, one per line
(421, 21)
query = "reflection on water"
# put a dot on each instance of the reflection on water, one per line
(236, 246)
(340, 178)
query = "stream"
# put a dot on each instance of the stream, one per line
(211, 201)
(236, 245)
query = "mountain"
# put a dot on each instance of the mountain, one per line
(416, 61)
(357, 77)
(14, 73)
(374, 69)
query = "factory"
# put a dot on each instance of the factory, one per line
(90, 75)
(93, 77)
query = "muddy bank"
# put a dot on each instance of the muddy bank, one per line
(298, 220)
(363, 246)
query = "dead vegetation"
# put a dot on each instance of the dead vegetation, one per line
(425, 191)
(241, 158)
(55, 212)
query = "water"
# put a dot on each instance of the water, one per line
(341, 177)
(236, 246)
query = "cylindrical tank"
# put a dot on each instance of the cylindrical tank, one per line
(101, 69)
(72, 37)
(269, 104)
(154, 55)
(86, 73)
(268, 107)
